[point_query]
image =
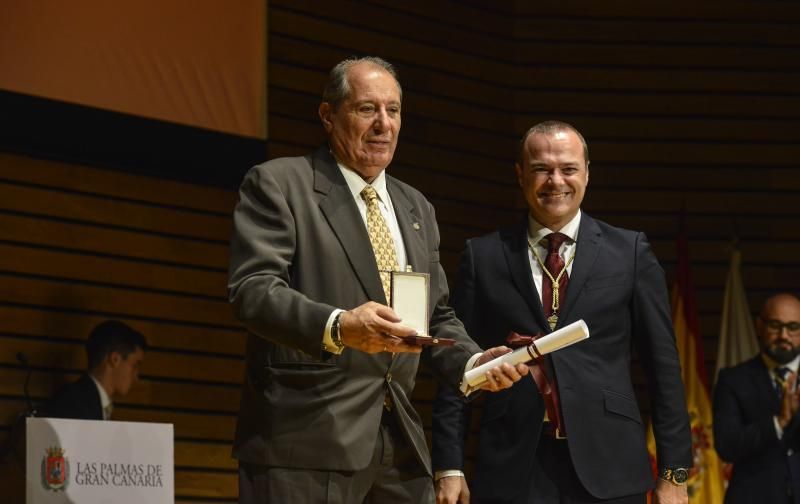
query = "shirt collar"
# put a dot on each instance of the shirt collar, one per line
(356, 184)
(105, 400)
(772, 365)
(537, 231)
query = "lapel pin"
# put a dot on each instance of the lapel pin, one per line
(415, 225)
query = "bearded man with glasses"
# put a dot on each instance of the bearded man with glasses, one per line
(756, 425)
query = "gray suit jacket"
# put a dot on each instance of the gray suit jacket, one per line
(299, 250)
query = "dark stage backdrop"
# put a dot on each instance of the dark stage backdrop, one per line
(684, 105)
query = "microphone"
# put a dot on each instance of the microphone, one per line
(23, 359)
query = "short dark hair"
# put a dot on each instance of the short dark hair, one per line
(548, 128)
(337, 89)
(112, 336)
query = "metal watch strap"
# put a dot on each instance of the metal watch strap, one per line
(675, 475)
(335, 336)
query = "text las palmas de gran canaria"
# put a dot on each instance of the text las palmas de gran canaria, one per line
(131, 475)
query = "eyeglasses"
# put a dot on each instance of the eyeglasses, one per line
(776, 326)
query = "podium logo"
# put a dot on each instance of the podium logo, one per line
(55, 469)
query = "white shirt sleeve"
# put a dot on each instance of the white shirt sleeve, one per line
(778, 429)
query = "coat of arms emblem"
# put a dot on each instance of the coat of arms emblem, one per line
(55, 469)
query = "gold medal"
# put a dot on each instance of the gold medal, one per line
(553, 321)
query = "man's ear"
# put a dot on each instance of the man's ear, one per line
(114, 358)
(325, 111)
(587, 173)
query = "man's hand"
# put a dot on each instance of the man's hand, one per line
(669, 493)
(790, 402)
(500, 377)
(452, 490)
(374, 328)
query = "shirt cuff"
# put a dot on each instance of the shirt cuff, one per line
(464, 387)
(327, 342)
(450, 473)
(778, 429)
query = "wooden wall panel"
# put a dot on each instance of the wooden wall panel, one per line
(686, 107)
(80, 245)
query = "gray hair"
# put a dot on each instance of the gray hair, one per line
(337, 89)
(549, 128)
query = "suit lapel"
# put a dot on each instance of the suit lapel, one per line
(586, 252)
(515, 248)
(410, 222)
(94, 404)
(342, 214)
(760, 376)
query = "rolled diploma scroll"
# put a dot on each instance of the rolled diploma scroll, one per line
(556, 340)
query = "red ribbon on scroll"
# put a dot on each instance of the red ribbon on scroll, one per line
(547, 387)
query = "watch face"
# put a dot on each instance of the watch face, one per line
(680, 475)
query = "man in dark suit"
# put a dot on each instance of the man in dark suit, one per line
(326, 413)
(756, 425)
(114, 352)
(582, 440)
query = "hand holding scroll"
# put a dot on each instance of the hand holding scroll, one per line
(486, 368)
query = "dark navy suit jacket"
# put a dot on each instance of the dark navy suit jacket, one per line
(79, 400)
(744, 434)
(618, 288)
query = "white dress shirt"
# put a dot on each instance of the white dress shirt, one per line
(356, 184)
(536, 239)
(771, 366)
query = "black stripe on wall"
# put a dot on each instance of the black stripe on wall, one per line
(51, 129)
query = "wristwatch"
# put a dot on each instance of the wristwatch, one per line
(335, 336)
(675, 475)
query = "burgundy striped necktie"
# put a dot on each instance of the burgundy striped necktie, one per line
(554, 264)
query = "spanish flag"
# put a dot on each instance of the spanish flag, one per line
(705, 478)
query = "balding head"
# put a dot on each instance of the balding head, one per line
(364, 124)
(783, 303)
(778, 327)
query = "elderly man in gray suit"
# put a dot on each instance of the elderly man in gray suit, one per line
(326, 413)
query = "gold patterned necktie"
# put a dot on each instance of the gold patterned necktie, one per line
(381, 239)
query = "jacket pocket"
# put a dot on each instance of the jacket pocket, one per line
(621, 404)
(302, 365)
(297, 375)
